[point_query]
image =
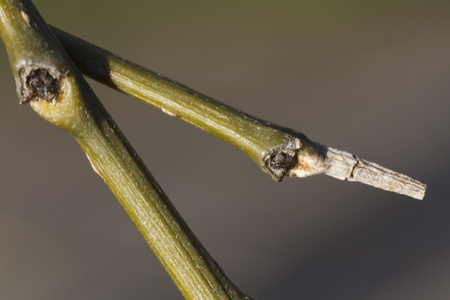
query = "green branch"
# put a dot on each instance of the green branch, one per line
(259, 139)
(50, 83)
(278, 151)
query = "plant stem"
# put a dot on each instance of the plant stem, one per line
(278, 151)
(259, 139)
(49, 82)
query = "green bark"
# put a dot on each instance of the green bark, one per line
(51, 84)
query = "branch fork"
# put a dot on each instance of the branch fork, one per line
(278, 151)
(41, 69)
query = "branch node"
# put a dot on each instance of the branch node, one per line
(97, 68)
(39, 83)
(279, 162)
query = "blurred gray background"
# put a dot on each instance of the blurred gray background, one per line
(369, 77)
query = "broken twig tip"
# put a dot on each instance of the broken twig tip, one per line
(346, 166)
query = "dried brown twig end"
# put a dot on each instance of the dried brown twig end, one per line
(346, 166)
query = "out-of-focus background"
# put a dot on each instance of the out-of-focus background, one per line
(369, 77)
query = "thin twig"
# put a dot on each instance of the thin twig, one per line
(51, 84)
(278, 151)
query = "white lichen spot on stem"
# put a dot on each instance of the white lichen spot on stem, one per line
(25, 17)
(94, 167)
(170, 113)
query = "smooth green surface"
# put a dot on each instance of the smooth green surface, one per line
(374, 77)
(78, 111)
(255, 137)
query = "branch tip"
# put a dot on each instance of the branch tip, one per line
(346, 166)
